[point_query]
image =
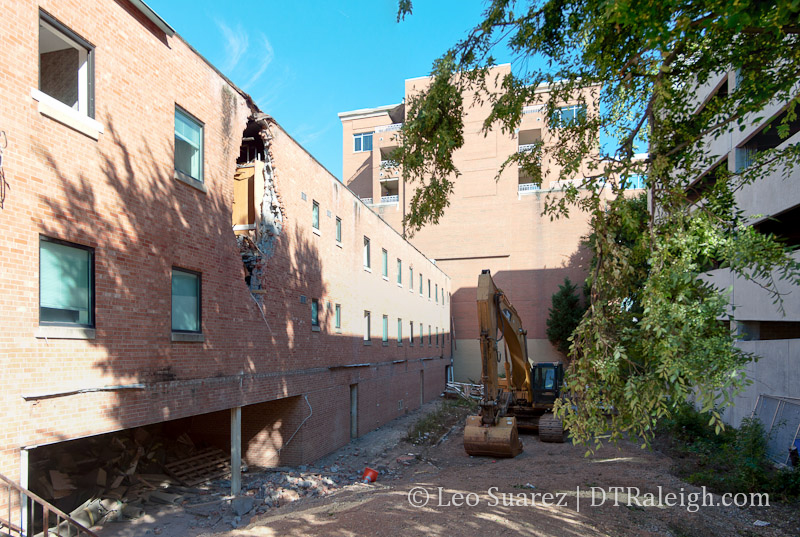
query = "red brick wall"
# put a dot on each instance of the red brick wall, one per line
(118, 196)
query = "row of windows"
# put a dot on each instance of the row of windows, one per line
(562, 117)
(67, 290)
(66, 74)
(337, 323)
(433, 292)
(399, 334)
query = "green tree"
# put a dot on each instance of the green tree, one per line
(642, 64)
(565, 315)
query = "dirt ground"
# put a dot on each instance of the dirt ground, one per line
(548, 490)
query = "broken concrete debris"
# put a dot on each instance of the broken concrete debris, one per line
(114, 477)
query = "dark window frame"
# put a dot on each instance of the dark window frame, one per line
(93, 295)
(199, 301)
(192, 117)
(315, 302)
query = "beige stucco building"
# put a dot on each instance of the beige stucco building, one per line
(492, 222)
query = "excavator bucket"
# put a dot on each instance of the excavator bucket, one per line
(501, 440)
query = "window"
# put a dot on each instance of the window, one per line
(430, 339)
(362, 142)
(337, 316)
(411, 279)
(185, 300)
(315, 215)
(437, 336)
(188, 146)
(421, 334)
(385, 263)
(366, 253)
(399, 331)
(385, 335)
(443, 296)
(338, 229)
(315, 313)
(399, 272)
(367, 337)
(66, 283)
(774, 133)
(436, 292)
(66, 66)
(568, 115)
(420, 285)
(429, 289)
(411, 333)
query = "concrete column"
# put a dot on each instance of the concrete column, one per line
(236, 450)
(24, 483)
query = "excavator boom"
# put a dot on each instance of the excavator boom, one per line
(492, 432)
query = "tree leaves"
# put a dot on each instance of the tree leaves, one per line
(654, 334)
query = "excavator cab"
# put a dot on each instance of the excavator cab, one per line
(547, 378)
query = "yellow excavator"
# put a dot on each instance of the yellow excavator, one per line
(524, 398)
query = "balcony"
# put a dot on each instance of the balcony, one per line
(389, 128)
(390, 199)
(526, 148)
(367, 201)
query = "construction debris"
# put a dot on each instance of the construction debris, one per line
(464, 390)
(113, 478)
(207, 464)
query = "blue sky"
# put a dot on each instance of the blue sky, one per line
(304, 62)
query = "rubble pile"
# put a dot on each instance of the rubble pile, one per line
(114, 477)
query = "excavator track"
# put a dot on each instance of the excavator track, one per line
(550, 428)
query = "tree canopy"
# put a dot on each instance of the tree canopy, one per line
(644, 63)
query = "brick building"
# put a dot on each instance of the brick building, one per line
(490, 224)
(124, 298)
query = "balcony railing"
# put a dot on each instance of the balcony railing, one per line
(526, 148)
(532, 109)
(368, 201)
(389, 128)
(528, 187)
(390, 199)
(386, 164)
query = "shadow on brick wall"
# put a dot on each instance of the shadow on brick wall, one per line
(530, 291)
(259, 350)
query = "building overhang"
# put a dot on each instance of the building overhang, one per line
(368, 112)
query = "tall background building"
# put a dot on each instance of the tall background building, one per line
(492, 222)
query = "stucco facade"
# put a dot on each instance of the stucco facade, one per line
(491, 223)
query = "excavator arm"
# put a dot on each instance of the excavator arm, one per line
(497, 314)
(492, 432)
